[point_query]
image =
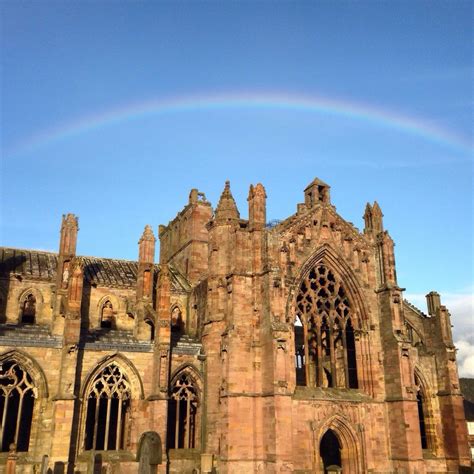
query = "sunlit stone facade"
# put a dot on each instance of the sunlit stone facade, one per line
(248, 348)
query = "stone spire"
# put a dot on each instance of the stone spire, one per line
(373, 218)
(227, 209)
(377, 217)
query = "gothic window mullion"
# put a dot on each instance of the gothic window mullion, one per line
(332, 355)
(178, 403)
(18, 419)
(188, 423)
(107, 424)
(306, 351)
(320, 355)
(4, 417)
(346, 362)
(118, 444)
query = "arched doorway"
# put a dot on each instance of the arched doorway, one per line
(330, 451)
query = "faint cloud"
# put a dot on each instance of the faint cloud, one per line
(465, 357)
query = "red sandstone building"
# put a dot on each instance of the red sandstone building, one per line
(248, 348)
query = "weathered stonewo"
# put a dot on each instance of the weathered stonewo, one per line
(205, 353)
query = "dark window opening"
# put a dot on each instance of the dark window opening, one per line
(28, 310)
(330, 450)
(423, 415)
(107, 316)
(16, 406)
(299, 356)
(182, 414)
(152, 329)
(421, 418)
(107, 412)
(351, 355)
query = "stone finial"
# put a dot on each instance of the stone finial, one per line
(68, 234)
(146, 246)
(147, 234)
(227, 208)
(257, 205)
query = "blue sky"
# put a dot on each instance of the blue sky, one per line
(65, 65)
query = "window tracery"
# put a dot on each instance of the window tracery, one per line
(183, 412)
(324, 342)
(17, 396)
(108, 410)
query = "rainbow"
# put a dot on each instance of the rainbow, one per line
(276, 101)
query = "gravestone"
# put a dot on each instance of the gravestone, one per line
(149, 453)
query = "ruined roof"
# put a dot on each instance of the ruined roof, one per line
(414, 308)
(36, 264)
(107, 272)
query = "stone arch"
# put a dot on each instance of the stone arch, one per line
(39, 300)
(349, 441)
(32, 367)
(193, 372)
(115, 303)
(126, 365)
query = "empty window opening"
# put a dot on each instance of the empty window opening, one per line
(423, 415)
(152, 329)
(330, 451)
(325, 345)
(108, 411)
(177, 325)
(107, 316)
(182, 414)
(16, 406)
(28, 310)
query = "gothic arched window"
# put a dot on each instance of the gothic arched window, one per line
(17, 399)
(108, 407)
(325, 347)
(182, 413)
(28, 310)
(107, 315)
(423, 415)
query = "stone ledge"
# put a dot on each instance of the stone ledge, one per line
(339, 394)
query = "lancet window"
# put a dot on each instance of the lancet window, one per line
(183, 413)
(423, 415)
(17, 397)
(325, 348)
(108, 410)
(28, 310)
